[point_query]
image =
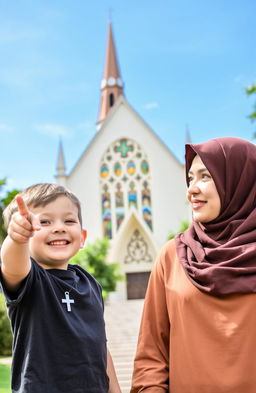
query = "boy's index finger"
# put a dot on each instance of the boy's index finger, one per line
(22, 207)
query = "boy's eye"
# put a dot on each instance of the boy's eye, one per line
(70, 221)
(44, 222)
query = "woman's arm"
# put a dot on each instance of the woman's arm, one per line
(151, 365)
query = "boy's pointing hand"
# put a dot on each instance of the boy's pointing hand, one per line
(23, 223)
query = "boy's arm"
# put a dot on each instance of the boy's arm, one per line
(113, 382)
(15, 260)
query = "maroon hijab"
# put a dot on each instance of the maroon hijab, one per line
(219, 257)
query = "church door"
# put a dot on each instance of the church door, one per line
(137, 284)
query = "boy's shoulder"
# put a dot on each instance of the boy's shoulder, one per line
(81, 271)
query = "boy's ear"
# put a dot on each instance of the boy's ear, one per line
(83, 237)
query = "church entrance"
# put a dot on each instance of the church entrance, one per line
(137, 284)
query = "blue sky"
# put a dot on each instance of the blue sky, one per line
(184, 64)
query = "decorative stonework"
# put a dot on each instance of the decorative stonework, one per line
(137, 250)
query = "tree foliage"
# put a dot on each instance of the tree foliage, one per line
(93, 258)
(5, 330)
(252, 90)
(183, 226)
(5, 198)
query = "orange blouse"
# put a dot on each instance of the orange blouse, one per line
(191, 342)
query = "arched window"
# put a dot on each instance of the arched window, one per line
(125, 184)
(106, 212)
(111, 99)
(119, 203)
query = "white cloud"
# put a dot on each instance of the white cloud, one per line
(54, 130)
(151, 105)
(8, 35)
(5, 128)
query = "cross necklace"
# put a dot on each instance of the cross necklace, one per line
(68, 301)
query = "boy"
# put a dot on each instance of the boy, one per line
(56, 309)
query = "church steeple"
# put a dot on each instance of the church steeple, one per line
(61, 168)
(111, 84)
(188, 138)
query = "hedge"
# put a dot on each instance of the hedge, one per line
(5, 330)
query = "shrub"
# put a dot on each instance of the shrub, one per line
(93, 258)
(183, 226)
(5, 330)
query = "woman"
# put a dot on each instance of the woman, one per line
(198, 329)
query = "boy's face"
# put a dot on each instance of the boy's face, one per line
(60, 236)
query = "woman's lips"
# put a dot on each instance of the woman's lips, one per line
(197, 204)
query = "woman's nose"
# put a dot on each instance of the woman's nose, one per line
(193, 188)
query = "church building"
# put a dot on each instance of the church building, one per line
(130, 185)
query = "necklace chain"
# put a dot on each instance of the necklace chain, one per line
(67, 300)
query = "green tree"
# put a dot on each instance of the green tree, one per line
(5, 198)
(252, 90)
(5, 330)
(183, 226)
(93, 258)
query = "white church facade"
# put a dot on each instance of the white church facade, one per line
(131, 186)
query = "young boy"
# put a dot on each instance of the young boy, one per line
(56, 309)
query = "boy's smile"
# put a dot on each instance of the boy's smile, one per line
(60, 236)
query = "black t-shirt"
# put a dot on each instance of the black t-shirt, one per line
(56, 350)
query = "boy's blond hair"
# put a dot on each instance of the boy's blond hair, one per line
(40, 195)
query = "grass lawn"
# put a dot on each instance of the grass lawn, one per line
(5, 378)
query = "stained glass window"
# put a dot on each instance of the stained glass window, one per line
(146, 205)
(144, 167)
(118, 169)
(123, 148)
(106, 213)
(132, 195)
(125, 183)
(104, 170)
(131, 167)
(119, 199)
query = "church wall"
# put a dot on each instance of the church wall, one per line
(167, 190)
(167, 176)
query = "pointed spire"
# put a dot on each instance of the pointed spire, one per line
(61, 168)
(188, 138)
(111, 84)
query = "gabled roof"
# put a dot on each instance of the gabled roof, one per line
(122, 101)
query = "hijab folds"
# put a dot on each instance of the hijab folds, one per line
(219, 257)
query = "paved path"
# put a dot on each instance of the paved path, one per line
(122, 325)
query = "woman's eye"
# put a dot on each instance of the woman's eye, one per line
(206, 176)
(190, 178)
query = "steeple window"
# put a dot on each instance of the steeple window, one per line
(111, 99)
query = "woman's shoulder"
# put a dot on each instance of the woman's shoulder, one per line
(168, 249)
(167, 255)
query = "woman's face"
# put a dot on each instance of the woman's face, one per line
(202, 193)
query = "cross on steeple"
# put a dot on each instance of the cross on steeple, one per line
(68, 301)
